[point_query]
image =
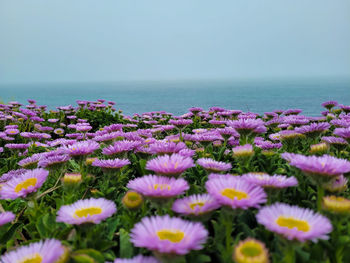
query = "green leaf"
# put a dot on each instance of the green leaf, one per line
(83, 259)
(111, 228)
(10, 233)
(88, 256)
(126, 248)
(41, 227)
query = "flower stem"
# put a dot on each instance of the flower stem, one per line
(290, 255)
(320, 194)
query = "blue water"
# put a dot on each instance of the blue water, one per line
(178, 96)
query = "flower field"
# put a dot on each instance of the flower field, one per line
(87, 184)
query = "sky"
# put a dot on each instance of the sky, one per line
(112, 40)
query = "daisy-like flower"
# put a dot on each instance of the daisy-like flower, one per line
(250, 251)
(195, 205)
(11, 174)
(6, 217)
(235, 192)
(334, 140)
(247, 126)
(132, 200)
(70, 179)
(329, 104)
(23, 185)
(213, 166)
(294, 223)
(313, 129)
(45, 251)
(137, 259)
(181, 123)
(319, 148)
(268, 181)
(120, 147)
(167, 235)
(53, 159)
(114, 164)
(292, 112)
(59, 131)
(227, 132)
(342, 132)
(160, 147)
(170, 165)
(158, 186)
(325, 165)
(30, 162)
(244, 151)
(86, 211)
(12, 132)
(336, 204)
(81, 148)
(338, 184)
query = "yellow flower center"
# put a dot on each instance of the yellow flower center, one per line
(12, 132)
(251, 249)
(336, 204)
(161, 187)
(193, 205)
(174, 236)
(25, 184)
(84, 212)
(291, 223)
(176, 165)
(71, 178)
(36, 258)
(234, 194)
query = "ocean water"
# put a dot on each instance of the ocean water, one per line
(178, 96)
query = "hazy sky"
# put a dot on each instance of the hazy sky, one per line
(113, 40)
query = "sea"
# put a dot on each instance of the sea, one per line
(178, 96)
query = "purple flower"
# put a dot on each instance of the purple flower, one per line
(168, 235)
(158, 186)
(47, 251)
(180, 123)
(195, 205)
(329, 104)
(120, 147)
(172, 165)
(227, 132)
(10, 174)
(295, 120)
(292, 112)
(31, 161)
(325, 165)
(12, 132)
(20, 146)
(235, 192)
(247, 126)
(164, 147)
(313, 129)
(243, 151)
(6, 217)
(53, 159)
(86, 211)
(114, 164)
(343, 132)
(213, 166)
(136, 259)
(23, 185)
(268, 181)
(294, 223)
(334, 140)
(81, 148)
